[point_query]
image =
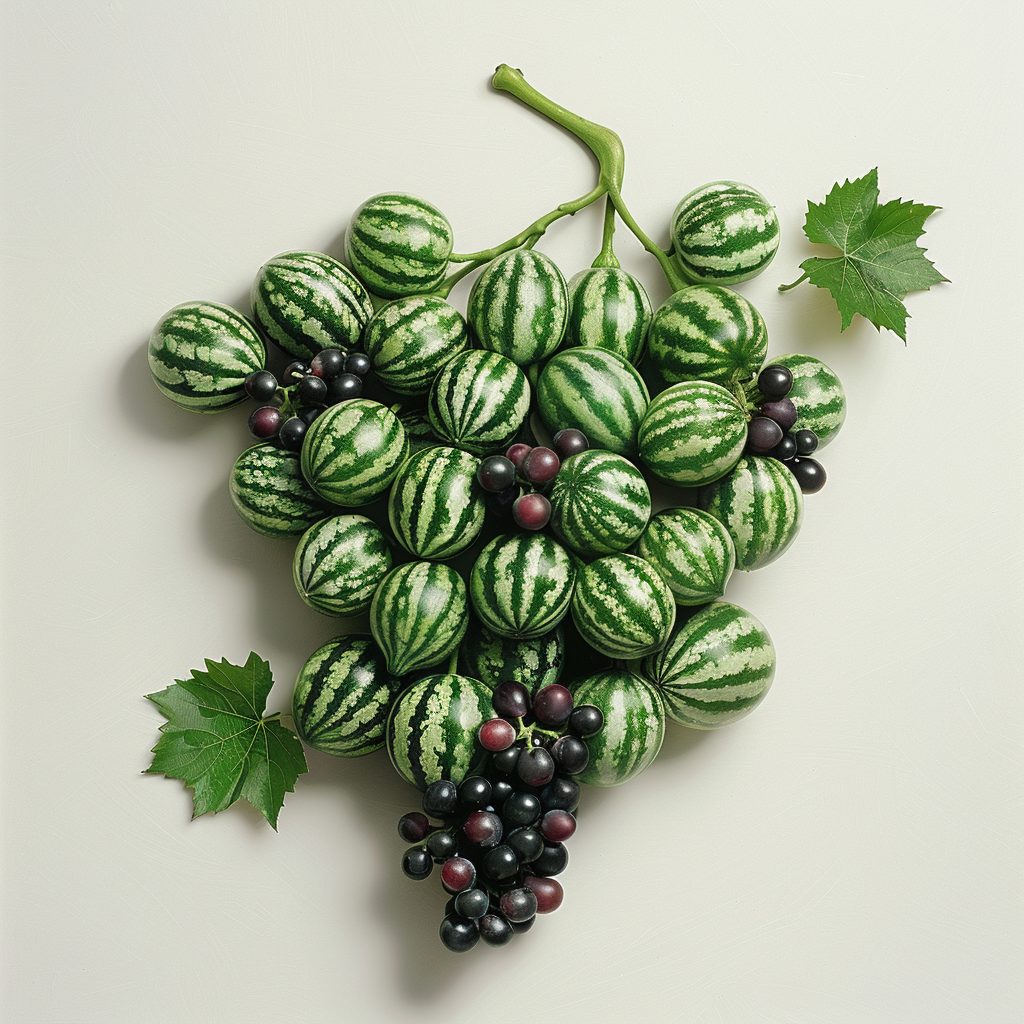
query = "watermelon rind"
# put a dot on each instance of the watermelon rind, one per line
(609, 309)
(494, 659)
(817, 394)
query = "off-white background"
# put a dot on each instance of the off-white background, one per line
(849, 853)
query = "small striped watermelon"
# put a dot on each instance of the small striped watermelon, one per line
(478, 401)
(399, 244)
(432, 729)
(761, 505)
(716, 667)
(410, 339)
(200, 354)
(608, 309)
(707, 333)
(622, 607)
(352, 451)
(633, 730)
(270, 493)
(693, 433)
(600, 503)
(597, 392)
(338, 564)
(521, 585)
(817, 394)
(436, 507)
(306, 301)
(693, 552)
(343, 696)
(518, 306)
(495, 659)
(418, 615)
(725, 231)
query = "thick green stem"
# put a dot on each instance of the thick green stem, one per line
(602, 142)
(676, 280)
(799, 280)
(606, 257)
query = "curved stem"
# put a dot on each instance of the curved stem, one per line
(676, 279)
(444, 289)
(799, 280)
(606, 257)
(601, 141)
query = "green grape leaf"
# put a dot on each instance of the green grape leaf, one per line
(218, 743)
(881, 261)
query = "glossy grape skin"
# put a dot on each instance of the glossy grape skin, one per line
(806, 442)
(472, 904)
(497, 734)
(459, 934)
(763, 434)
(521, 809)
(495, 929)
(504, 762)
(585, 721)
(552, 705)
(496, 474)
(500, 863)
(312, 390)
(809, 473)
(552, 861)
(292, 433)
(440, 799)
(517, 453)
(294, 372)
(783, 411)
(417, 863)
(557, 826)
(261, 386)
(511, 699)
(265, 422)
(358, 364)
(561, 794)
(413, 827)
(785, 449)
(457, 874)
(548, 891)
(526, 843)
(483, 828)
(501, 790)
(535, 766)
(519, 905)
(531, 511)
(343, 387)
(571, 755)
(328, 363)
(474, 792)
(775, 381)
(540, 465)
(568, 442)
(440, 846)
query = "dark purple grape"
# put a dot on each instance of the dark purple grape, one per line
(502, 789)
(809, 473)
(560, 794)
(504, 763)
(441, 845)
(417, 863)
(261, 385)
(500, 863)
(472, 904)
(511, 699)
(457, 874)
(785, 449)
(497, 734)
(358, 364)
(474, 792)
(496, 473)
(775, 381)
(292, 433)
(783, 411)
(343, 387)
(540, 465)
(413, 827)
(440, 799)
(328, 363)
(549, 893)
(806, 442)
(294, 372)
(535, 766)
(495, 929)
(552, 861)
(308, 415)
(458, 933)
(763, 434)
(520, 809)
(527, 843)
(585, 721)
(531, 511)
(483, 828)
(571, 755)
(569, 442)
(517, 453)
(555, 826)
(519, 905)
(552, 705)
(264, 422)
(500, 504)
(311, 390)
(522, 926)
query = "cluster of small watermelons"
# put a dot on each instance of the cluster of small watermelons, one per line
(384, 492)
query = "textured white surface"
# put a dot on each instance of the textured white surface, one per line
(850, 852)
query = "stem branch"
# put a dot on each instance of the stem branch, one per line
(799, 280)
(606, 257)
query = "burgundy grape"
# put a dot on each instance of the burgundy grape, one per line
(483, 828)
(531, 511)
(809, 473)
(496, 473)
(517, 453)
(548, 892)
(511, 699)
(775, 381)
(763, 434)
(413, 827)
(497, 734)
(783, 411)
(552, 705)
(557, 826)
(457, 874)
(540, 465)
(569, 442)
(264, 422)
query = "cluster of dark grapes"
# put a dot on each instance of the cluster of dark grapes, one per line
(771, 431)
(518, 481)
(287, 407)
(501, 835)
